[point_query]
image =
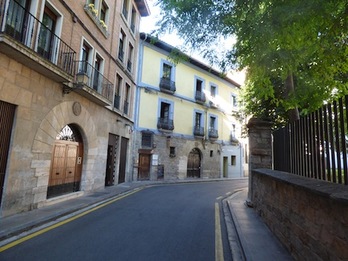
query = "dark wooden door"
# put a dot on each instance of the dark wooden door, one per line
(144, 166)
(194, 164)
(123, 160)
(7, 112)
(109, 175)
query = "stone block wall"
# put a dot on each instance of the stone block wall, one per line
(310, 217)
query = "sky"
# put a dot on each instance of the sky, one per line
(148, 24)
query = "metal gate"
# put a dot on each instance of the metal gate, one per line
(7, 112)
(111, 160)
(194, 164)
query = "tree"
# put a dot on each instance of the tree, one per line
(295, 51)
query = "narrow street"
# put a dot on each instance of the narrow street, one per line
(162, 222)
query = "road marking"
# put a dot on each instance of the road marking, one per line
(219, 253)
(44, 230)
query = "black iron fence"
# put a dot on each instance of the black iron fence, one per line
(19, 24)
(316, 145)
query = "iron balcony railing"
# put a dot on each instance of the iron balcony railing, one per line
(213, 134)
(89, 76)
(166, 85)
(125, 107)
(316, 145)
(165, 124)
(198, 131)
(20, 25)
(200, 97)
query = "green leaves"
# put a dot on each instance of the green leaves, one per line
(307, 39)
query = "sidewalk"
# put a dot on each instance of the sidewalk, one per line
(255, 241)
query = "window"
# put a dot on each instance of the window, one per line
(167, 83)
(46, 42)
(97, 73)
(198, 119)
(146, 139)
(126, 99)
(121, 46)
(165, 120)
(213, 91)
(233, 160)
(99, 12)
(211, 153)
(167, 71)
(198, 129)
(117, 91)
(125, 9)
(233, 131)
(130, 58)
(172, 151)
(212, 123)
(133, 20)
(234, 100)
(86, 55)
(199, 94)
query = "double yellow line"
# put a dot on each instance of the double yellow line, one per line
(44, 230)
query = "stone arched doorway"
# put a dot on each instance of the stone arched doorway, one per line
(66, 163)
(194, 164)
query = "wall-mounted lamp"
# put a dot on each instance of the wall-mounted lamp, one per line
(82, 78)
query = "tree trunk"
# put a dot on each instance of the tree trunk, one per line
(290, 88)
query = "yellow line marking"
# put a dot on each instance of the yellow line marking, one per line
(219, 253)
(42, 231)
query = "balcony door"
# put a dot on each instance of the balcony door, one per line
(17, 20)
(46, 44)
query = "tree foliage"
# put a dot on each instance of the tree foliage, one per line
(304, 43)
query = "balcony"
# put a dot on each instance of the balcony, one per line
(213, 104)
(28, 41)
(167, 86)
(90, 83)
(200, 97)
(165, 124)
(213, 134)
(198, 131)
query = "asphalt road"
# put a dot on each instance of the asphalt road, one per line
(166, 222)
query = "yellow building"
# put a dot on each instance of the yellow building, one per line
(184, 123)
(67, 82)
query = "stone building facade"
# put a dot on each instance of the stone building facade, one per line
(67, 82)
(184, 121)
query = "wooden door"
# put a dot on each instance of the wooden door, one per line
(65, 175)
(7, 112)
(194, 164)
(109, 174)
(123, 160)
(144, 166)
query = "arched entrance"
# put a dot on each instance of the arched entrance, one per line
(194, 164)
(66, 166)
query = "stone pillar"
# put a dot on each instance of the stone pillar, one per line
(260, 149)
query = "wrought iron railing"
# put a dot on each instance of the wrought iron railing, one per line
(316, 145)
(198, 131)
(200, 96)
(23, 27)
(126, 107)
(89, 76)
(165, 124)
(213, 134)
(167, 85)
(117, 100)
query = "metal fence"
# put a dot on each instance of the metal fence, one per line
(19, 24)
(316, 145)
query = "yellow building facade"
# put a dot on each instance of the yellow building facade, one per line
(184, 123)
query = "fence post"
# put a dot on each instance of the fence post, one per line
(260, 149)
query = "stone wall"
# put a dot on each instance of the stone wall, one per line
(310, 217)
